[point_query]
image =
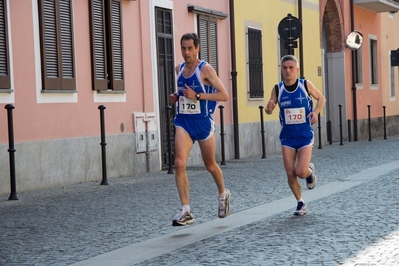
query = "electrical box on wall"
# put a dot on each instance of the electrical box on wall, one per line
(139, 128)
(145, 128)
(152, 131)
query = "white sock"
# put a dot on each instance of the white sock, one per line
(186, 208)
(301, 199)
(222, 195)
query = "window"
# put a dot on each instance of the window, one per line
(57, 51)
(208, 40)
(106, 45)
(4, 57)
(373, 62)
(255, 63)
(358, 66)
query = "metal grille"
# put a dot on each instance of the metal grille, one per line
(255, 64)
(166, 80)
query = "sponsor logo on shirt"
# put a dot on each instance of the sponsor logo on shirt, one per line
(286, 103)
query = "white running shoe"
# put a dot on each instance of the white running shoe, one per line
(224, 205)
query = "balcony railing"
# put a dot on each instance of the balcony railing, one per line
(379, 6)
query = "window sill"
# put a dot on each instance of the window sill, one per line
(110, 92)
(6, 90)
(59, 91)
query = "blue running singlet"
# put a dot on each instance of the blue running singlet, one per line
(295, 106)
(194, 108)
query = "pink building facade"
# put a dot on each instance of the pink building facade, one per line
(373, 84)
(67, 60)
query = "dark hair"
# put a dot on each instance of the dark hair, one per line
(289, 57)
(190, 36)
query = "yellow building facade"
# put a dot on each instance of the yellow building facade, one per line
(263, 18)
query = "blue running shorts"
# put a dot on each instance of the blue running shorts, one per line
(297, 143)
(198, 128)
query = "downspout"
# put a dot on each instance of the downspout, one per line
(301, 69)
(234, 82)
(353, 77)
(145, 120)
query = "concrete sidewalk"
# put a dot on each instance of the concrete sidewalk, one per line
(353, 210)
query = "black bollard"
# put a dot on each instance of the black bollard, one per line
(221, 107)
(319, 127)
(349, 130)
(329, 132)
(103, 144)
(385, 123)
(340, 124)
(262, 131)
(369, 119)
(168, 126)
(11, 150)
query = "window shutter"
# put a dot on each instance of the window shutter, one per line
(66, 43)
(57, 45)
(213, 58)
(98, 49)
(116, 45)
(208, 40)
(4, 58)
(203, 35)
(50, 65)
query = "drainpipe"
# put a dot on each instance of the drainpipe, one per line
(145, 120)
(301, 69)
(353, 77)
(234, 82)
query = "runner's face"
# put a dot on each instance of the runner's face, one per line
(188, 51)
(289, 70)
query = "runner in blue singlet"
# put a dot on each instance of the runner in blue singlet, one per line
(199, 90)
(294, 97)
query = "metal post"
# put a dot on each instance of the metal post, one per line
(221, 107)
(385, 123)
(319, 127)
(349, 130)
(103, 144)
(168, 127)
(262, 131)
(340, 124)
(329, 132)
(11, 150)
(369, 119)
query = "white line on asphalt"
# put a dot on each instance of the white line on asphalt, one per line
(157, 246)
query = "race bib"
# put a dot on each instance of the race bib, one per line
(295, 115)
(188, 106)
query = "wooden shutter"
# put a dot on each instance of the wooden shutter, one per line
(4, 58)
(66, 44)
(116, 45)
(98, 45)
(203, 35)
(57, 45)
(213, 44)
(106, 42)
(208, 40)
